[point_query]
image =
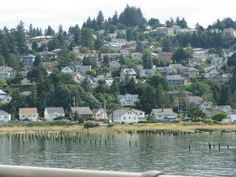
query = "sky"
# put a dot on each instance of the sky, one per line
(42, 13)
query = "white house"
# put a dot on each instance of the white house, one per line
(50, 113)
(233, 116)
(128, 116)
(130, 73)
(100, 114)
(30, 114)
(67, 69)
(164, 115)
(4, 116)
(128, 99)
(6, 72)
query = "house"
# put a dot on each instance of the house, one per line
(30, 114)
(83, 112)
(174, 30)
(145, 73)
(26, 81)
(114, 65)
(4, 116)
(100, 114)
(164, 115)
(28, 61)
(129, 73)
(50, 66)
(50, 113)
(229, 33)
(137, 56)
(128, 116)
(111, 56)
(128, 99)
(233, 116)
(83, 69)
(68, 70)
(175, 80)
(192, 73)
(6, 72)
(4, 97)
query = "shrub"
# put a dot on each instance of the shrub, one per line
(208, 121)
(219, 117)
(90, 124)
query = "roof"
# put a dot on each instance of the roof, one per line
(28, 111)
(174, 77)
(2, 92)
(82, 110)
(129, 71)
(5, 69)
(52, 110)
(96, 110)
(4, 113)
(166, 111)
(120, 112)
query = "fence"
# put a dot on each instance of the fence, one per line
(25, 171)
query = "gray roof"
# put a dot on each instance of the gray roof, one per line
(166, 111)
(82, 110)
(195, 99)
(5, 69)
(174, 77)
(52, 110)
(119, 112)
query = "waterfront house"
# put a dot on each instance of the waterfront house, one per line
(30, 114)
(6, 72)
(4, 116)
(83, 112)
(128, 99)
(100, 114)
(164, 115)
(233, 116)
(51, 113)
(128, 116)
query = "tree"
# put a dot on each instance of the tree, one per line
(154, 23)
(100, 20)
(20, 38)
(49, 31)
(147, 60)
(181, 56)
(87, 39)
(132, 16)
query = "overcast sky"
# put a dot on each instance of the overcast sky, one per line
(70, 12)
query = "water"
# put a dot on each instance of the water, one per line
(166, 153)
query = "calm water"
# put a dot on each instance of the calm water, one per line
(167, 153)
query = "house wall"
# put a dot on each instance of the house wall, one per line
(128, 117)
(5, 118)
(32, 117)
(233, 118)
(51, 117)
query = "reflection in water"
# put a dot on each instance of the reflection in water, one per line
(124, 152)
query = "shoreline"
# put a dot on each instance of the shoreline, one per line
(121, 128)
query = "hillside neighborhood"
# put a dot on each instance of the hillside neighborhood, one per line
(113, 72)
